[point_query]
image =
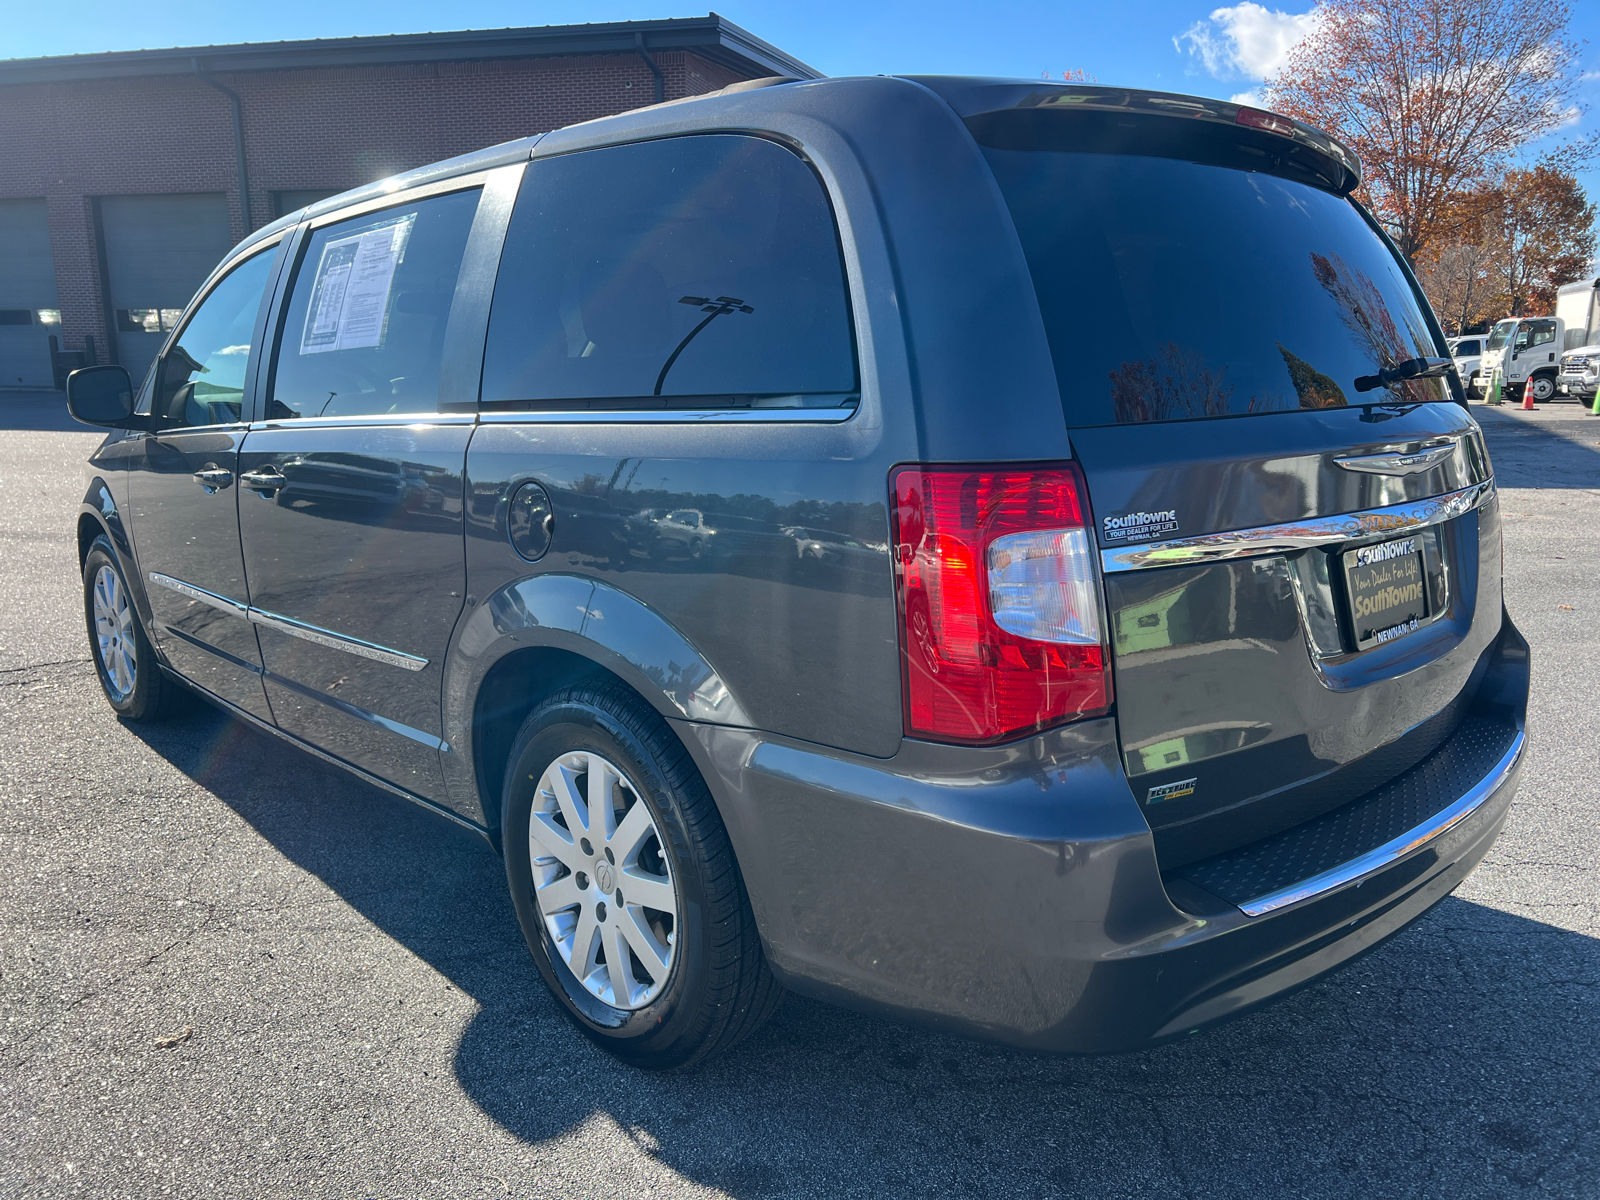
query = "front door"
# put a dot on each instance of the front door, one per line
(183, 493)
(350, 493)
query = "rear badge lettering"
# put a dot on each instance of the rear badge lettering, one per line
(1171, 791)
(1139, 526)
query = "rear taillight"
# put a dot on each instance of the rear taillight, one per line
(1001, 630)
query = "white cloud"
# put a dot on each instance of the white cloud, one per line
(1250, 97)
(1246, 39)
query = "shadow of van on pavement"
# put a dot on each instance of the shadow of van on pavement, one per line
(1459, 1059)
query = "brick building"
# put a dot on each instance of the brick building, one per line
(124, 177)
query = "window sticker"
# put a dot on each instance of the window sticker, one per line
(350, 300)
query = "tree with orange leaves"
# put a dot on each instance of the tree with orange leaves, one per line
(1516, 242)
(1434, 96)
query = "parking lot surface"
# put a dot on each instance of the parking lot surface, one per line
(228, 970)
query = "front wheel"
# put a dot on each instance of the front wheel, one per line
(123, 657)
(1542, 388)
(625, 884)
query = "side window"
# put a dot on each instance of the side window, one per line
(1543, 332)
(200, 379)
(363, 332)
(699, 271)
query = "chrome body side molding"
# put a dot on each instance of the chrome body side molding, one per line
(338, 641)
(1392, 851)
(232, 607)
(1298, 535)
(299, 629)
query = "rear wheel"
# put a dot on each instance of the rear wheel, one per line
(123, 657)
(625, 884)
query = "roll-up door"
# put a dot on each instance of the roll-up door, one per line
(159, 250)
(29, 310)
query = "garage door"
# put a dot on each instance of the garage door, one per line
(159, 250)
(29, 310)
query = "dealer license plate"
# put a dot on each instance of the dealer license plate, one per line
(1388, 588)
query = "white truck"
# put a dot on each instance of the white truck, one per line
(1468, 354)
(1578, 307)
(1526, 350)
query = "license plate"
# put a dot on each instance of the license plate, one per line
(1388, 588)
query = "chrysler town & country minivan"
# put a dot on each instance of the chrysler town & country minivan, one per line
(1011, 556)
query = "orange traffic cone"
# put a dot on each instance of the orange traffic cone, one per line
(1527, 397)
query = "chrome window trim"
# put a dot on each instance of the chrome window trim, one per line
(299, 629)
(669, 416)
(371, 420)
(1392, 851)
(174, 430)
(1298, 535)
(399, 195)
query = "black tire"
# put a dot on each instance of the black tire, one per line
(1543, 388)
(719, 990)
(154, 696)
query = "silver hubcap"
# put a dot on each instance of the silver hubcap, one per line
(113, 633)
(1543, 389)
(601, 880)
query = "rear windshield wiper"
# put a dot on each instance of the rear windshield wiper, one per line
(1414, 368)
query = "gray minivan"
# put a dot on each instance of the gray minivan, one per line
(1007, 555)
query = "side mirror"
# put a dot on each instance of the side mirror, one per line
(102, 396)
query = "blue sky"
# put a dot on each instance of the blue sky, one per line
(1170, 44)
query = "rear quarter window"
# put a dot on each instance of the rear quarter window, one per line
(700, 271)
(1175, 290)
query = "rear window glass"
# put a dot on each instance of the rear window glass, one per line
(1174, 290)
(686, 272)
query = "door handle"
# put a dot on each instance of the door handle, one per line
(263, 480)
(213, 478)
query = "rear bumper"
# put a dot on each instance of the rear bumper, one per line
(1013, 893)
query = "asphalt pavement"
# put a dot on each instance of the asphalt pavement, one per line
(228, 970)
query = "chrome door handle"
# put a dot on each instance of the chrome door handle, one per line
(263, 480)
(213, 478)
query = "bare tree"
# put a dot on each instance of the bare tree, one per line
(1434, 96)
(1458, 277)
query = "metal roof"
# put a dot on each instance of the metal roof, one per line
(712, 37)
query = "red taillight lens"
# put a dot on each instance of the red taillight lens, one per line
(1000, 611)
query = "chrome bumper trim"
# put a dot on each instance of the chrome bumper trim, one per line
(1392, 851)
(1298, 535)
(299, 629)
